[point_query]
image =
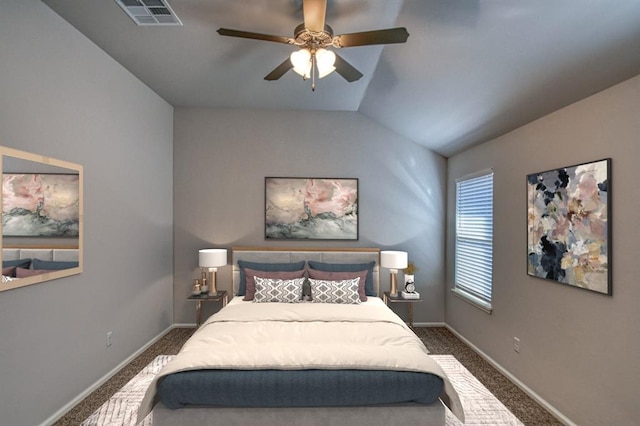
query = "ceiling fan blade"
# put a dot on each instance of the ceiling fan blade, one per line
(389, 36)
(254, 36)
(314, 12)
(280, 70)
(346, 70)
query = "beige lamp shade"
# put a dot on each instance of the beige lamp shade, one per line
(212, 258)
(394, 259)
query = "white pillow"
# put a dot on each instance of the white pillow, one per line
(276, 290)
(344, 291)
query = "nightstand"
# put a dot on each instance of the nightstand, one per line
(387, 298)
(205, 297)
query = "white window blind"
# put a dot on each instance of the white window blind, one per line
(474, 238)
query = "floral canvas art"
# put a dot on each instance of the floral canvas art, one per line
(40, 205)
(311, 208)
(568, 225)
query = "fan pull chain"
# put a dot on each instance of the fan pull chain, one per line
(313, 71)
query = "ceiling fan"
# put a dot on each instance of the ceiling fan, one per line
(313, 37)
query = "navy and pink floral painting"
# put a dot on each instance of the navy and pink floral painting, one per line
(568, 225)
(311, 208)
(40, 205)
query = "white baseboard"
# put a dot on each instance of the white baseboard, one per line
(557, 414)
(429, 324)
(68, 406)
(185, 325)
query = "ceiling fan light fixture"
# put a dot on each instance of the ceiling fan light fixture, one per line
(301, 61)
(325, 60)
(312, 37)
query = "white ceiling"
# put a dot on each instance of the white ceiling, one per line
(471, 70)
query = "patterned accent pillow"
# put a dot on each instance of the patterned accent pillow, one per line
(338, 276)
(275, 290)
(344, 291)
(250, 274)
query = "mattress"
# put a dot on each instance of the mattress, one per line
(301, 355)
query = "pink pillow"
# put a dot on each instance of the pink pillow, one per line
(24, 272)
(275, 275)
(9, 271)
(340, 276)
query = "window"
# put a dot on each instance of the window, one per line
(474, 239)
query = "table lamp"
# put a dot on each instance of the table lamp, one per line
(394, 260)
(210, 260)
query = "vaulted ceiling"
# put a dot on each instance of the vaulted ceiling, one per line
(471, 70)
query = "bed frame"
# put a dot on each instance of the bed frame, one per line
(388, 415)
(414, 415)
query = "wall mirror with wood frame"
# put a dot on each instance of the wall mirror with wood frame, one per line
(42, 218)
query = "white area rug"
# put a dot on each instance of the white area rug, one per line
(480, 406)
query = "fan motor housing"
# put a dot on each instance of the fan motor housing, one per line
(304, 37)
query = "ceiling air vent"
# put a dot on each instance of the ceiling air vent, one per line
(149, 12)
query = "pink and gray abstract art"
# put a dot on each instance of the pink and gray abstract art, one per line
(311, 208)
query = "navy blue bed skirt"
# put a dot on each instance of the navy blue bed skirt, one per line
(297, 388)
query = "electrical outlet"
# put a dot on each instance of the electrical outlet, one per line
(109, 338)
(516, 344)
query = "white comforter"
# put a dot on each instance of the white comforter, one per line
(289, 336)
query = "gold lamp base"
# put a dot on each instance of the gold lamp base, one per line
(393, 291)
(213, 291)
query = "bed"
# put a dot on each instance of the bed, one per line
(294, 349)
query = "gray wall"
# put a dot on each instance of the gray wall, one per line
(579, 349)
(222, 157)
(62, 97)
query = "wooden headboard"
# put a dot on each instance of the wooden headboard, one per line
(289, 255)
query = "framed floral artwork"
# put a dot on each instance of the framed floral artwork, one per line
(569, 226)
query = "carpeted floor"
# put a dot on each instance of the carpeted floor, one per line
(439, 341)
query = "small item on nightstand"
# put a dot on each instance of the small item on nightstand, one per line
(409, 285)
(203, 282)
(410, 295)
(196, 287)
